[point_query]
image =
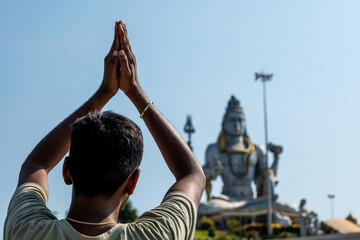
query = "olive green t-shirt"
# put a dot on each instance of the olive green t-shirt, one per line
(29, 218)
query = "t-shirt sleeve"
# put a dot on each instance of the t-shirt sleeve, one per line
(175, 218)
(27, 207)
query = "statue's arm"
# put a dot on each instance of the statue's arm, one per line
(275, 164)
(261, 163)
(276, 150)
(261, 170)
(212, 167)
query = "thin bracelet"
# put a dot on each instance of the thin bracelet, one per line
(145, 109)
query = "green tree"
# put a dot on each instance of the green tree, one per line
(212, 231)
(206, 223)
(127, 214)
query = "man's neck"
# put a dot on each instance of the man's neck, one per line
(98, 209)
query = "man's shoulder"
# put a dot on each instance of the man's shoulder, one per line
(27, 197)
(172, 203)
(31, 187)
(174, 218)
(27, 210)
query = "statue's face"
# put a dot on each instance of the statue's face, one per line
(234, 124)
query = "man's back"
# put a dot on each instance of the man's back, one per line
(29, 218)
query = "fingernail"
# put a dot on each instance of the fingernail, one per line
(125, 25)
(115, 53)
(122, 53)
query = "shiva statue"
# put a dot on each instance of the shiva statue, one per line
(240, 163)
(238, 160)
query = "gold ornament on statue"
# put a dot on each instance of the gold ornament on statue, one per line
(224, 149)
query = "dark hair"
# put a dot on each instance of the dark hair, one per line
(105, 149)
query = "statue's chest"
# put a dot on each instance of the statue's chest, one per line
(239, 164)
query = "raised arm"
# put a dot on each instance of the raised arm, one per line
(181, 161)
(52, 148)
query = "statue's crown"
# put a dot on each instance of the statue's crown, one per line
(233, 105)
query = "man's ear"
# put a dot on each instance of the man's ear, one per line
(131, 182)
(66, 172)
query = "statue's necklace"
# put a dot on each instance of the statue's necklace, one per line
(250, 149)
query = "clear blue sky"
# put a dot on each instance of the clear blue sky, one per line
(192, 55)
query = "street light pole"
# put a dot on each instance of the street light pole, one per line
(331, 197)
(264, 78)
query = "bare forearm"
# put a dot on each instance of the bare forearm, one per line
(52, 148)
(177, 154)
